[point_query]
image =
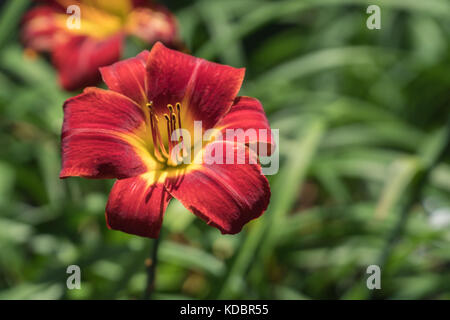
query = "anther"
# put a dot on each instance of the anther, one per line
(166, 116)
(178, 106)
(173, 124)
(180, 136)
(169, 131)
(153, 119)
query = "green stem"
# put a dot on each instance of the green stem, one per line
(151, 264)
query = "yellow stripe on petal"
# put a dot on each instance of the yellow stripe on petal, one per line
(119, 8)
(95, 21)
(142, 146)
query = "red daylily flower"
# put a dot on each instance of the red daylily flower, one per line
(124, 133)
(78, 53)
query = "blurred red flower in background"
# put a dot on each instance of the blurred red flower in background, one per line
(77, 53)
(124, 133)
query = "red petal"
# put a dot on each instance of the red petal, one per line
(248, 114)
(79, 59)
(101, 136)
(137, 205)
(226, 196)
(40, 30)
(204, 88)
(152, 23)
(128, 77)
(140, 3)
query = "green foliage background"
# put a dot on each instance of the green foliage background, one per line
(364, 174)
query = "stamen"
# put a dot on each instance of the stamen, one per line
(179, 158)
(180, 136)
(174, 125)
(178, 106)
(169, 130)
(147, 113)
(173, 118)
(171, 113)
(155, 133)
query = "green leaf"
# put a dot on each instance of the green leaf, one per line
(10, 18)
(190, 258)
(399, 175)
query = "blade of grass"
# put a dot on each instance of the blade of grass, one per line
(433, 152)
(399, 176)
(10, 18)
(272, 11)
(286, 190)
(216, 16)
(190, 257)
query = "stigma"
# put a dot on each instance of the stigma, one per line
(172, 118)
